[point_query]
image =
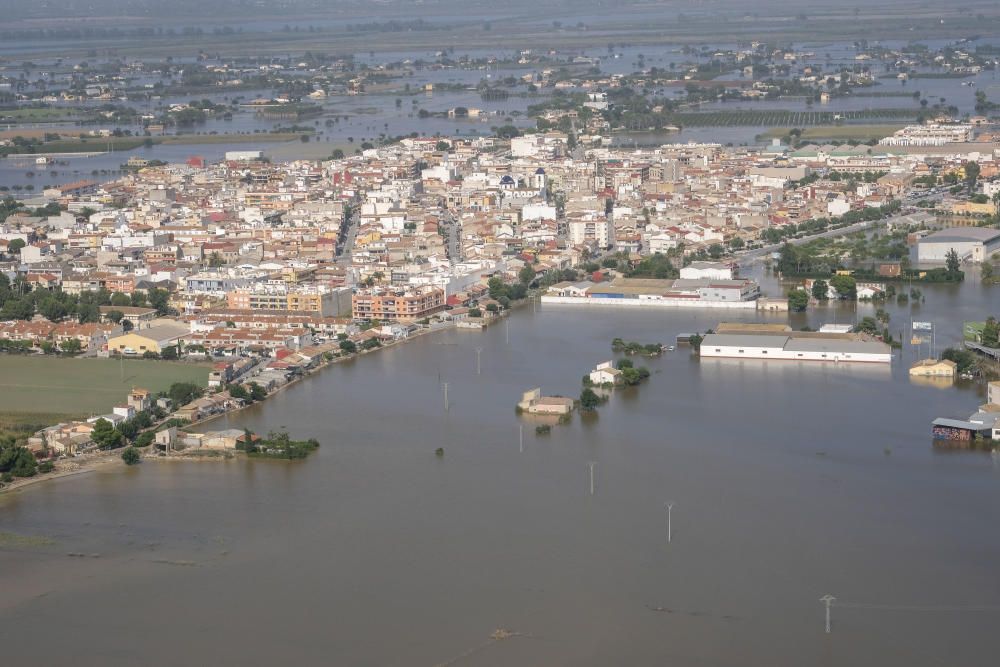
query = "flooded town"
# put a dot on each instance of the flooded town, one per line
(427, 340)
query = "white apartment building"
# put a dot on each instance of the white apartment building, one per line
(932, 134)
(598, 230)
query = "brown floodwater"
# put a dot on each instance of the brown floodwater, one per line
(789, 482)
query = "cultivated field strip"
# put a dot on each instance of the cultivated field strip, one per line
(787, 118)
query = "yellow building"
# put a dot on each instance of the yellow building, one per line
(933, 368)
(972, 208)
(154, 339)
(367, 238)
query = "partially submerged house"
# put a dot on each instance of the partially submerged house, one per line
(605, 373)
(534, 403)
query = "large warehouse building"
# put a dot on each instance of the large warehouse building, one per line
(748, 341)
(971, 243)
(656, 293)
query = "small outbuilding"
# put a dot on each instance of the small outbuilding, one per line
(534, 403)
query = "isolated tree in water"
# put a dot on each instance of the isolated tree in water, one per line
(589, 400)
(798, 300)
(130, 456)
(951, 261)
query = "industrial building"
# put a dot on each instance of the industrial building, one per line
(971, 243)
(943, 428)
(767, 342)
(651, 292)
(153, 339)
(710, 270)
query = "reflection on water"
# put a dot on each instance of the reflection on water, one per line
(781, 370)
(934, 382)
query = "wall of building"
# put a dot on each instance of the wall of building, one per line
(776, 352)
(993, 393)
(930, 251)
(647, 303)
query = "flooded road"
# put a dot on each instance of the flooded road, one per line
(789, 483)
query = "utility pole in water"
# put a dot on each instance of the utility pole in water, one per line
(592, 464)
(828, 600)
(479, 351)
(445, 386)
(670, 526)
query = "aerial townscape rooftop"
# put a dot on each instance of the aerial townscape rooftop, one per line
(548, 333)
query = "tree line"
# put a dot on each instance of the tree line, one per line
(20, 301)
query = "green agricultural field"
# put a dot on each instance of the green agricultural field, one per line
(778, 117)
(38, 115)
(36, 388)
(92, 145)
(269, 137)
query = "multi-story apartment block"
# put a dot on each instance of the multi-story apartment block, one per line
(398, 305)
(597, 230)
(326, 302)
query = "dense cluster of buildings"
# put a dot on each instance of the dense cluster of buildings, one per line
(931, 134)
(259, 255)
